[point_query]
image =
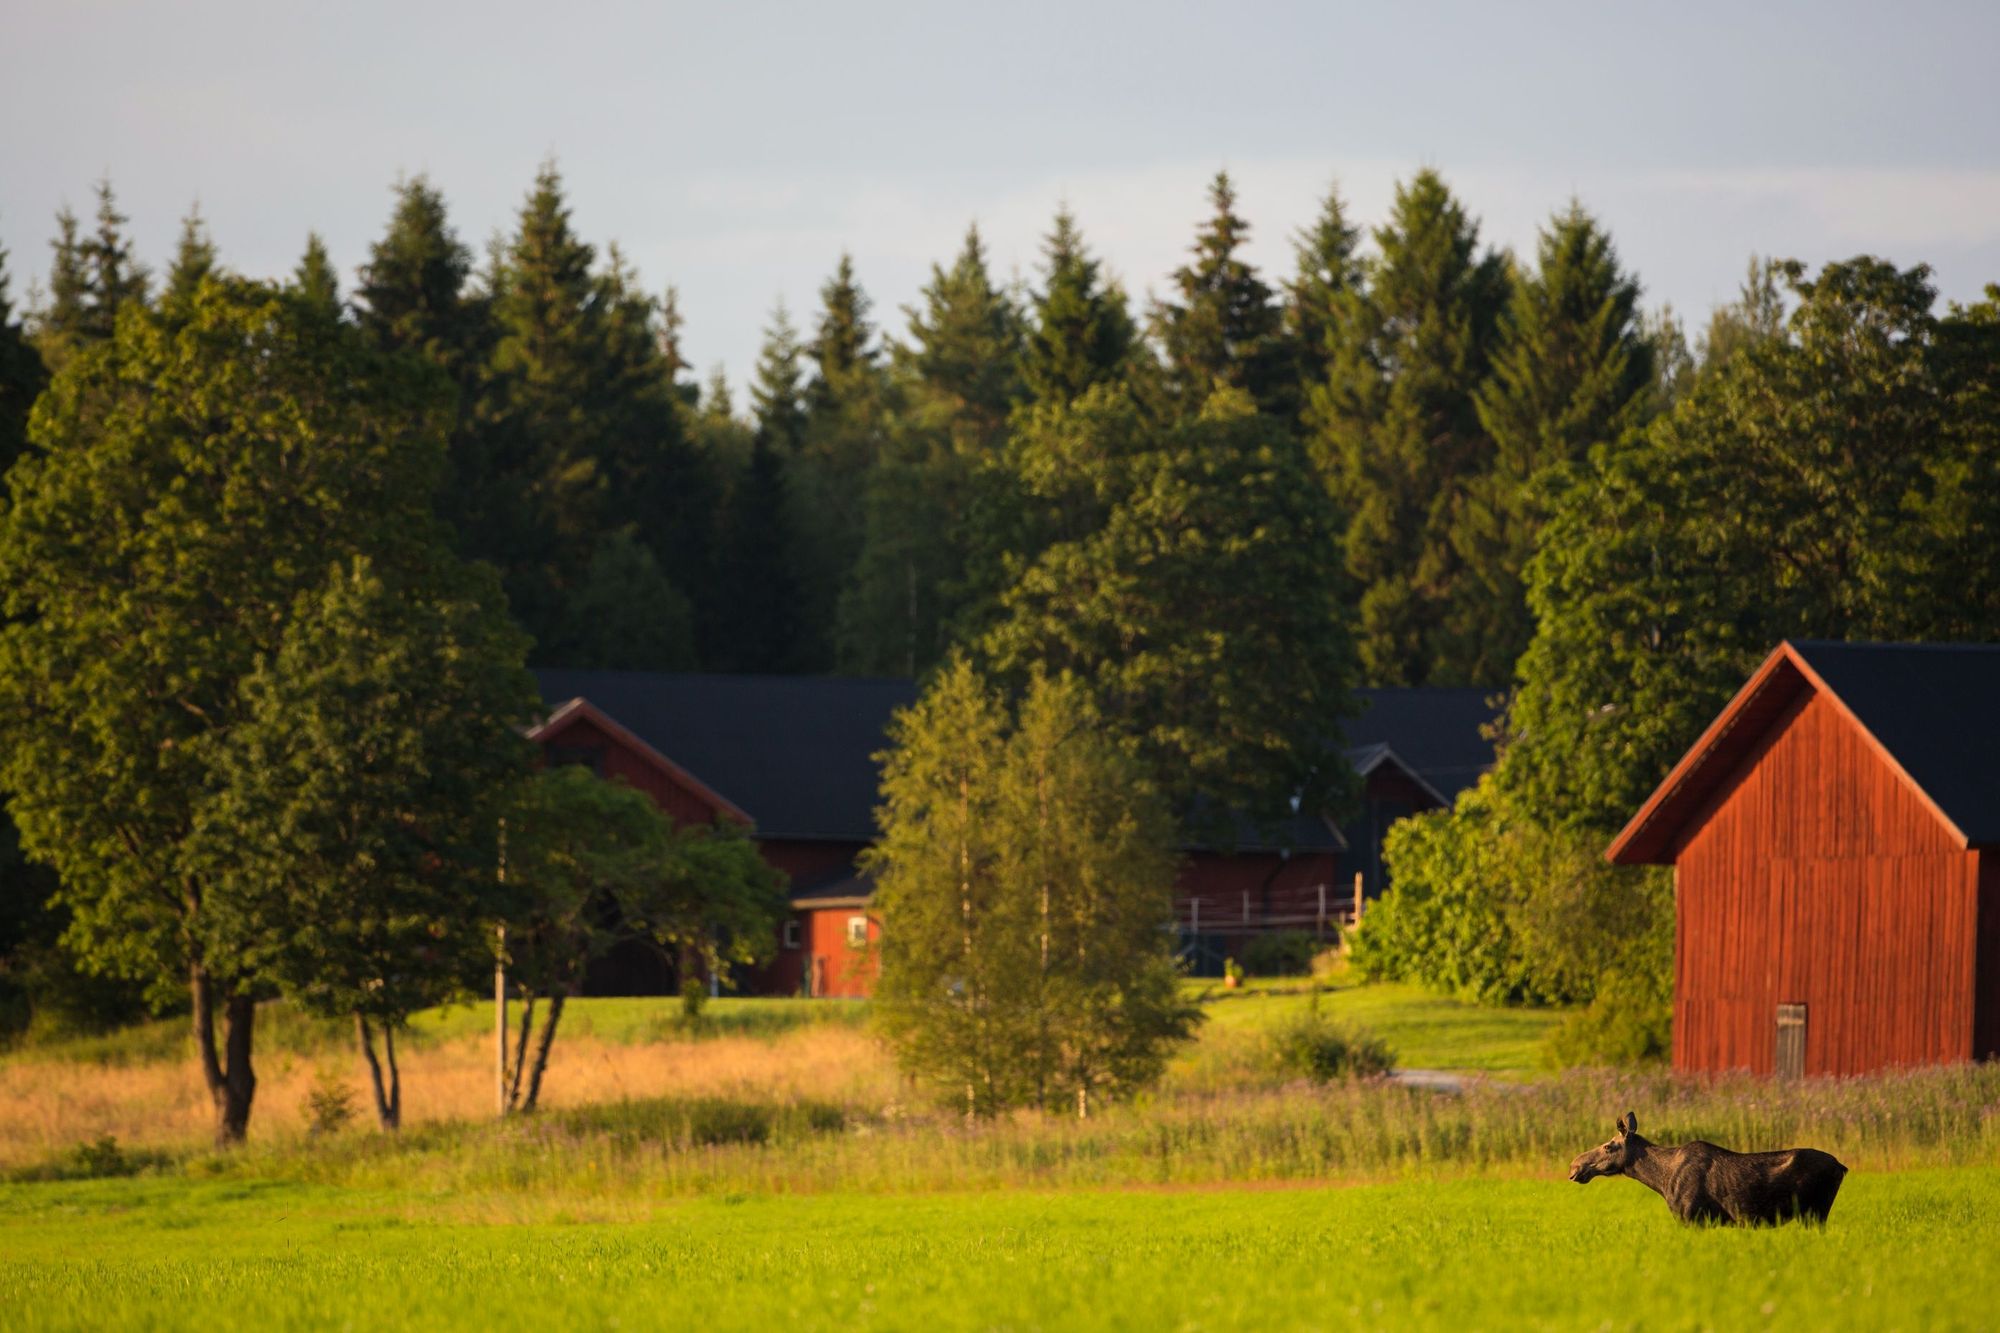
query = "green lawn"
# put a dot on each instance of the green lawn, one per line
(1911, 1250)
(1426, 1030)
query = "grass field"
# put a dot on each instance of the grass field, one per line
(1911, 1250)
(141, 1086)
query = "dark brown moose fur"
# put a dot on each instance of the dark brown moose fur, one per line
(1704, 1183)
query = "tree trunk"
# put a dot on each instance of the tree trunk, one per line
(520, 1064)
(542, 1049)
(230, 1080)
(389, 1101)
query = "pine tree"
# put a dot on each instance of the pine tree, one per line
(847, 407)
(756, 625)
(1225, 330)
(1396, 431)
(963, 352)
(1329, 267)
(194, 259)
(957, 379)
(777, 394)
(673, 355)
(414, 292)
(315, 278)
(1572, 370)
(60, 328)
(112, 275)
(22, 376)
(1081, 333)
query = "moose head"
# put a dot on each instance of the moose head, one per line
(1611, 1158)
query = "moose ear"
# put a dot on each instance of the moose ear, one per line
(1630, 1124)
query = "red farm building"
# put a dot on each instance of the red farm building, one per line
(1835, 838)
(792, 756)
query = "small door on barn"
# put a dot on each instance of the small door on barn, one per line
(1791, 1040)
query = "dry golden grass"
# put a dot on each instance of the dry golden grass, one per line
(48, 1106)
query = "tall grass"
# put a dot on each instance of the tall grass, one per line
(673, 1147)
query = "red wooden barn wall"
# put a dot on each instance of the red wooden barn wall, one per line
(1818, 875)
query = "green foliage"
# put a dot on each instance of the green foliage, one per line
(1287, 953)
(579, 432)
(1571, 371)
(315, 278)
(1023, 885)
(1189, 576)
(759, 617)
(1630, 1021)
(190, 480)
(1315, 1047)
(1225, 330)
(847, 409)
(1081, 333)
(329, 1105)
(194, 260)
(22, 375)
(958, 383)
(1495, 906)
(624, 614)
(1397, 434)
(354, 805)
(1328, 269)
(1818, 484)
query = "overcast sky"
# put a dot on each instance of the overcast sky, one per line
(735, 150)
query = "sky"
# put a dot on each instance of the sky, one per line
(735, 150)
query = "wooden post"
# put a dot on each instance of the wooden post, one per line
(1357, 897)
(1319, 926)
(1246, 909)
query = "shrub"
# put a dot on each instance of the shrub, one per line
(330, 1104)
(1288, 953)
(1310, 1045)
(1630, 1022)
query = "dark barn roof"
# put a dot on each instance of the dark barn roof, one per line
(1932, 710)
(1439, 734)
(796, 752)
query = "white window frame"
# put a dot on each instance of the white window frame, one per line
(857, 932)
(791, 935)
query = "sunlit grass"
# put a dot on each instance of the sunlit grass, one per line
(1902, 1251)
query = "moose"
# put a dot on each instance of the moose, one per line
(1704, 1183)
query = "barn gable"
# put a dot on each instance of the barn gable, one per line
(1837, 879)
(1928, 712)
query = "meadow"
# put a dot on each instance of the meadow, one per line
(769, 1167)
(1910, 1250)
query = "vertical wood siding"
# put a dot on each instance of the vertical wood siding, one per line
(1817, 876)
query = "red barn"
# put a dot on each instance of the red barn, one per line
(1835, 838)
(793, 756)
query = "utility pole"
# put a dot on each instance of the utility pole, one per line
(1357, 897)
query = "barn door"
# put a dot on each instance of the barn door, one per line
(1791, 1040)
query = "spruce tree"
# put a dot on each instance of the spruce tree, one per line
(112, 276)
(958, 384)
(315, 278)
(1081, 332)
(1572, 371)
(415, 293)
(1397, 433)
(60, 327)
(962, 356)
(1226, 328)
(847, 407)
(194, 259)
(22, 376)
(578, 431)
(1329, 268)
(756, 616)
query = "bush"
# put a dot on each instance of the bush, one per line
(1312, 1046)
(1288, 953)
(1631, 1022)
(330, 1104)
